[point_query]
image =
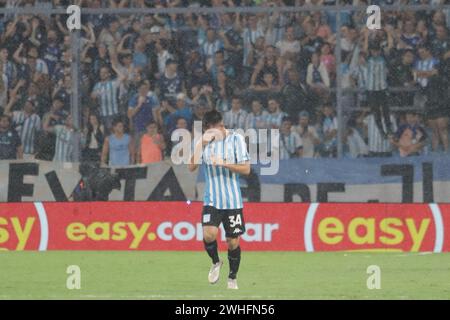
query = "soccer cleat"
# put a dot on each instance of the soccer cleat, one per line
(232, 284)
(214, 272)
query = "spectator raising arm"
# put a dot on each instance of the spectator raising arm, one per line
(10, 30)
(13, 97)
(17, 54)
(120, 76)
(12, 100)
(120, 48)
(89, 29)
(33, 38)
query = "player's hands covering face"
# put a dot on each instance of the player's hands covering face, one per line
(211, 135)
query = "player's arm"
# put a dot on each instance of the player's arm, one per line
(195, 158)
(243, 161)
(240, 168)
(207, 137)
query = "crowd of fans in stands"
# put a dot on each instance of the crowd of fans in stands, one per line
(143, 76)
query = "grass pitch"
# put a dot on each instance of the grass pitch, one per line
(263, 275)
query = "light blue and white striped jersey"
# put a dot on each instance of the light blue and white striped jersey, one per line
(249, 36)
(253, 119)
(235, 120)
(275, 119)
(277, 30)
(376, 142)
(223, 105)
(376, 74)
(425, 65)
(107, 91)
(65, 144)
(209, 49)
(222, 187)
(26, 127)
(289, 144)
(360, 73)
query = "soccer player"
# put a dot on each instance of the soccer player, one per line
(224, 157)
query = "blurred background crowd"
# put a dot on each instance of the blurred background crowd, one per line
(143, 76)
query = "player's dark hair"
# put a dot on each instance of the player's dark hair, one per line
(211, 118)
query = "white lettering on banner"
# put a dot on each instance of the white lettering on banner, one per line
(268, 230)
(184, 231)
(22, 181)
(50, 181)
(161, 231)
(199, 232)
(254, 232)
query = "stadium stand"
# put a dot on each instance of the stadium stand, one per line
(164, 68)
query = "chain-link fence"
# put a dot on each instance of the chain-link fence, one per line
(317, 64)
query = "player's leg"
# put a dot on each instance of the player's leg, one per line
(234, 227)
(211, 220)
(210, 242)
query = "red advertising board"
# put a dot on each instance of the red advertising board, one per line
(270, 226)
